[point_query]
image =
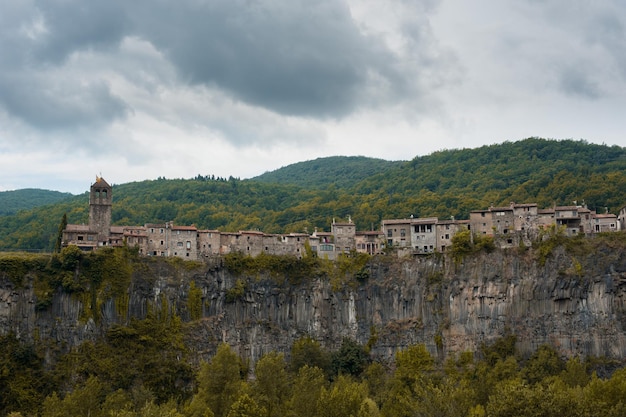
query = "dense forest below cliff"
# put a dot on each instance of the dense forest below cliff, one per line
(308, 195)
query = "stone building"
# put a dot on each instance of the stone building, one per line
(371, 242)
(344, 234)
(98, 231)
(424, 234)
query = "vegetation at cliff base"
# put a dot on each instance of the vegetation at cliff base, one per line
(140, 371)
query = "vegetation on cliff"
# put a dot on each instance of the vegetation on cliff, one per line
(309, 195)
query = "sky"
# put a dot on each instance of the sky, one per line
(136, 90)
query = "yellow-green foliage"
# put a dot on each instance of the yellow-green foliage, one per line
(465, 243)
(549, 239)
(349, 269)
(281, 268)
(236, 292)
(194, 301)
(16, 265)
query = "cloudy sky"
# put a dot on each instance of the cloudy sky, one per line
(142, 89)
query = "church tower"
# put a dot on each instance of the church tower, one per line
(100, 200)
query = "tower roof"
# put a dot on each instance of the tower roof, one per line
(101, 182)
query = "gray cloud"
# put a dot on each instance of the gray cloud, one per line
(37, 84)
(59, 103)
(298, 58)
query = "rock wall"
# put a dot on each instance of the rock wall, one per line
(576, 304)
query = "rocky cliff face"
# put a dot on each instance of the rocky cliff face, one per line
(575, 303)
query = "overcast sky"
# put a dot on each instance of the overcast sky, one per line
(142, 89)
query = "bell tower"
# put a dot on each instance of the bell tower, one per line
(100, 201)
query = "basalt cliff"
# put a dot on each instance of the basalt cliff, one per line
(574, 301)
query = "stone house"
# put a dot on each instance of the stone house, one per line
(344, 234)
(371, 242)
(424, 234)
(208, 243)
(183, 241)
(575, 219)
(323, 244)
(606, 222)
(397, 232)
(446, 229)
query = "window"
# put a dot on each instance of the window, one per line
(161, 231)
(80, 238)
(389, 233)
(402, 232)
(188, 245)
(447, 236)
(179, 244)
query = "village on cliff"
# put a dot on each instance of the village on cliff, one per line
(509, 226)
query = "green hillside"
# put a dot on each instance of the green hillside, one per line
(13, 201)
(340, 171)
(293, 199)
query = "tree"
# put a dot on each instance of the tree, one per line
(350, 359)
(219, 381)
(343, 398)
(194, 301)
(543, 363)
(245, 406)
(272, 387)
(306, 351)
(307, 388)
(413, 363)
(59, 241)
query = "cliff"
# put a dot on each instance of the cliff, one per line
(575, 301)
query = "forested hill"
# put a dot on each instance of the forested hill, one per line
(13, 201)
(310, 194)
(340, 171)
